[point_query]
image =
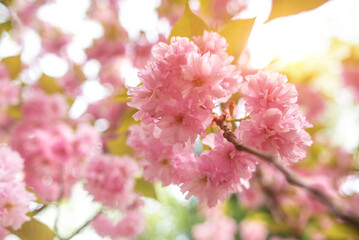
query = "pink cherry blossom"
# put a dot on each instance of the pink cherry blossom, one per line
(276, 132)
(312, 102)
(160, 162)
(129, 227)
(14, 204)
(253, 230)
(215, 228)
(39, 104)
(110, 179)
(3, 233)
(11, 164)
(14, 198)
(268, 90)
(214, 43)
(9, 93)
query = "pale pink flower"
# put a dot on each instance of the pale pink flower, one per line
(109, 110)
(215, 228)
(233, 168)
(3, 233)
(183, 124)
(159, 162)
(110, 179)
(49, 155)
(9, 93)
(110, 73)
(14, 204)
(11, 164)
(312, 102)
(44, 108)
(253, 230)
(202, 76)
(129, 227)
(132, 225)
(86, 141)
(181, 76)
(105, 49)
(202, 181)
(214, 43)
(268, 90)
(277, 132)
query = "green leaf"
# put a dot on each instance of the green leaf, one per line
(32, 230)
(49, 84)
(282, 8)
(145, 188)
(341, 231)
(237, 32)
(118, 146)
(13, 65)
(122, 97)
(189, 25)
(5, 26)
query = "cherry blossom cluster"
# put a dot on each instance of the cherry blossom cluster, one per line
(14, 198)
(110, 180)
(194, 76)
(190, 75)
(54, 153)
(276, 126)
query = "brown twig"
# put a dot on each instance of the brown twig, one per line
(227, 134)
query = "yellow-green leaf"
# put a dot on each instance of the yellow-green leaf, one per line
(341, 231)
(49, 84)
(145, 188)
(5, 26)
(237, 32)
(32, 230)
(118, 146)
(14, 112)
(13, 65)
(282, 8)
(122, 97)
(189, 25)
(126, 120)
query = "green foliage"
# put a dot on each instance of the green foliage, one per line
(341, 231)
(237, 32)
(5, 26)
(282, 8)
(145, 188)
(170, 218)
(32, 230)
(189, 25)
(233, 209)
(7, 2)
(117, 145)
(13, 65)
(49, 84)
(122, 97)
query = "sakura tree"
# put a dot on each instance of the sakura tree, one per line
(207, 142)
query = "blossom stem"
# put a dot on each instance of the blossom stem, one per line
(290, 177)
(84, 225)
(239, 119)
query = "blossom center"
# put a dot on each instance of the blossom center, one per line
(179, 119)
(165, 162)
(9, 206)
(198, 82)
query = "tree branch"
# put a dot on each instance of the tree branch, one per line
(288, 175)
(84, 225)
